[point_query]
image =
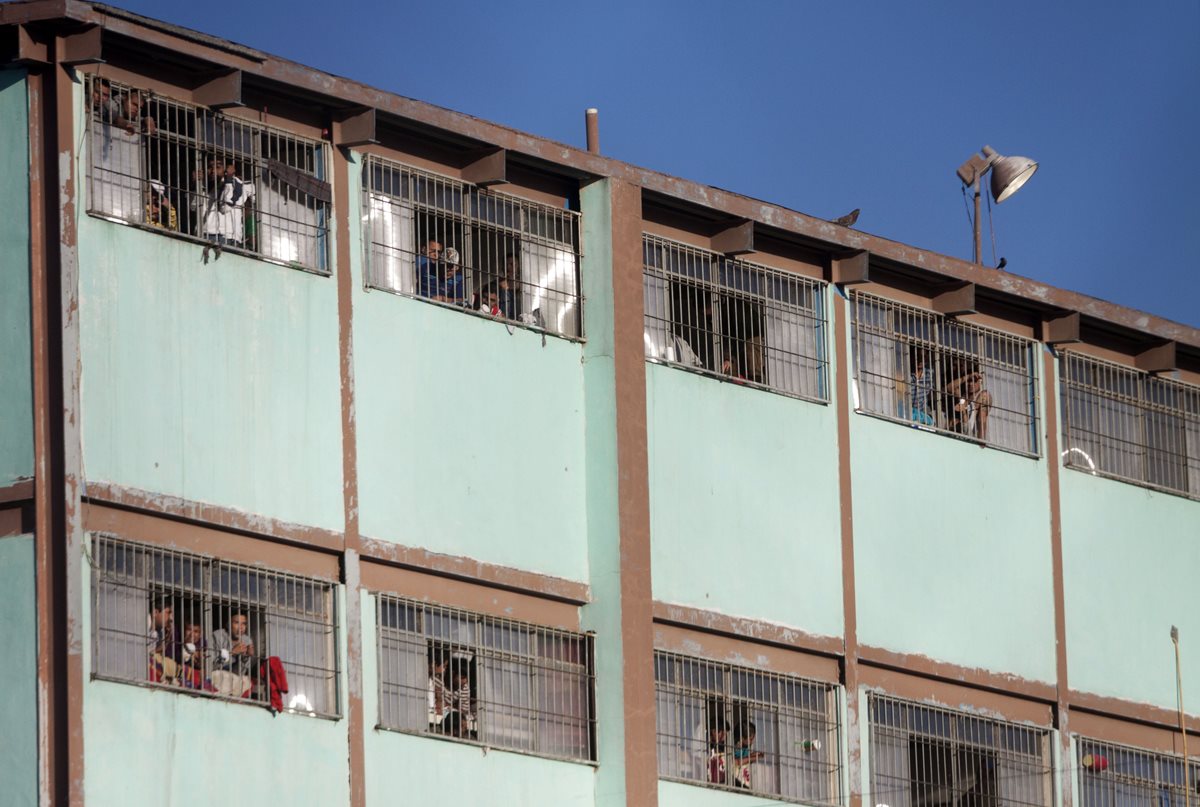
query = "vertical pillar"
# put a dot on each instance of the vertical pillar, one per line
(58, 528)
(1053, 467)
(844, 401)
(618, 508)
(351, 562)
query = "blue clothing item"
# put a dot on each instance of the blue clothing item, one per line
(508, 303)
(428, 282)
(452, 289)
(921, 389)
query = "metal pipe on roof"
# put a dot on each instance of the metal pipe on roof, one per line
(593, 130)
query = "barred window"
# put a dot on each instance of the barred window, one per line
(505, 684)
(1122, 776)
(745, 729)
(1130, 425)
(734, 319)
(175, 167)
(442, 239)
(935, 373)
(926, 755)
(178, 620)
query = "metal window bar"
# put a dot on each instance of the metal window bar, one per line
(917, 367)
(1112, 775)
(733, 319)
(177, 620)
(927, 755)
(738, 728)
(174, 167)
(441, 239)
(505, 684)
(1125, 424)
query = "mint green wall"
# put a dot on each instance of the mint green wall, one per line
(952, 550)
(153, 746)
(407, 769)
(1131, 560)
(18, 673)
(470, 438)
(16, 379)
(677, 794)
(744, 501)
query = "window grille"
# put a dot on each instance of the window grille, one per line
(924, 369)
(744, 729)
(733, 319)
(1130, 425)
(1121, 776)
(442, 239)
(505, 684)
(175, 167)
(177, 620)
(925, 755)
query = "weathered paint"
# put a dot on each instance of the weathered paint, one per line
(403, 768)
(16, 371)
(1130, 558)
(214, 383)
(470, 433)
(18, 672)
(742, 481)
(154, 746)
(952, 550)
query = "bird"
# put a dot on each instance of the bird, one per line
(1003, 263)
(848, 219)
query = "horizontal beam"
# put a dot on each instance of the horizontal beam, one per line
(1158, 359)
(851, 268)
(955, 302)
(222, 92)
(735, 240)
(83, 47)
(1061, 330)
(357, 129)
(489, 169)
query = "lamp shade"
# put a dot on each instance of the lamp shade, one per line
(1009, 174)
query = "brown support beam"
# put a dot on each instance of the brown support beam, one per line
(31, 51)
(357, 129)
(1062, 711)
(1158, 359)
(1062, 330)
(52, 787)
(850, 653)
(850, 268)
(76, 49)
(81, 48)
(352, 546)
(221, 92)
(491, 168)
(956, 301)
(735, 240)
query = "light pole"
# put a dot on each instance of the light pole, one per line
(1008, 175)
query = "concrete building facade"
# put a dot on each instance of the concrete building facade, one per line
(631, 491)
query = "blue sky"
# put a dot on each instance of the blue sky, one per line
(826, 107)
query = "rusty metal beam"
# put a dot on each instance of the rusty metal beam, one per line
(735, 240)
(850, 268)
(357, 129)
(221, 92)
(956, 301)
(1158, 359)
(82, 48)
(489, 169)
(1062, 330)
